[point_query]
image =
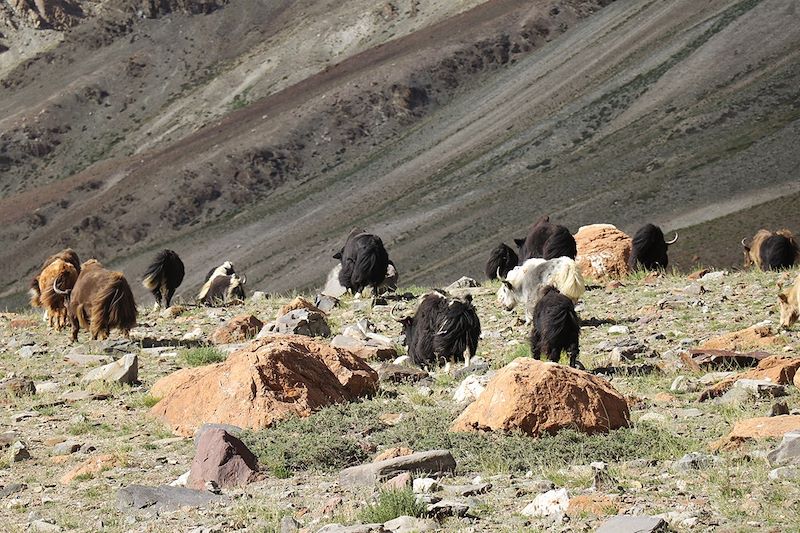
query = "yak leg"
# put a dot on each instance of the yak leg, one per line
(75, 328)
(170, 294)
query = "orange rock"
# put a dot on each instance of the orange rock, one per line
(92, 467)
(22, 323)
(592, 504)
(299, 303)
(757, 428)
(537, 397)
(603, 251)
(60, 459)
(391, 453)
(780, 369)
(239, 329)
(697, 274)
(665, 397)
(268, 380)
(744, 339)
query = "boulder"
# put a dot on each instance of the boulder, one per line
(778, 369)
(757, 428)
(268, 380)
(223, 459)
(298, 303)
(299, 322)
(551, 503)
(370, 350)
(163, 498)
(758, 336)
(123, 370)
(633, 524)
(538, 397)
(471, 388)
(603, 251)
(239, 329)
(431, 462)
(788, 451)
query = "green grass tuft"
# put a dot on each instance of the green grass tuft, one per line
(391, 504)
(204, 355)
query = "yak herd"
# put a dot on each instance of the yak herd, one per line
(541, 276)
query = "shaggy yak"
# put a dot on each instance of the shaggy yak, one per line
(50, 289)
(523, 283)
(502, 260)
(163, 276)
(790, 304)
(364, 262)
(442, 329)
(649, 249)
(556, 327)
(772, 251)
(222, 286)
(548, 241)
(101, 300)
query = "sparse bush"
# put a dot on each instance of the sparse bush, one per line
(204, 355)
(391, 504)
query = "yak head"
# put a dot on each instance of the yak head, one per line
(408, 327)
(506, 296)
(236, 288)
(789, 302)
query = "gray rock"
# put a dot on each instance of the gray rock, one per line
(445, 508)
(534, 486)
(8, 490)
(258, 296)
(431, 462)
(360, 528)
(19, 452)
(88, 359)
(299, 322)
(619, 330)
(409, 524)
(478, 365)
(472, 387)
(18, 387)
(123, 370)
(467, 490)
(714, 276)
(43, 526)
(778, 409)
(788, 451)
(462, 283)
(289, 525)
(161, 498)
(761, 388)
(784, 472)
(230, 428)
(332, 285)
(552, 503)
(392, 373)
(633, 524)
(46, 387)
(325, 302)
(29, 351)
(67, 448)
(683, 384)
(694, 461)
(424, 485)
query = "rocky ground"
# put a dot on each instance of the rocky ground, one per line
(636, 332)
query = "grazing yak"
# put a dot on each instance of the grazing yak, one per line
(523, 283)
(50, 289)
(502, 260)
(649, 249)
(333, 286)
(790, 304)
(364, 262)
(548, 241)
(222, 286)
(101, 300)
(556, 327)
(163, 276)
(772, 251)
(442, 329)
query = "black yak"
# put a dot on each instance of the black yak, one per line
(364, 262)
(772, 251)
(443, 328)
(649, 249)
(163, 276)
(546, 241)
(101, 300)
(556, 327)
(502, 260)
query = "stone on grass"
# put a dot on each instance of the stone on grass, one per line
(430, 462)
(43, 526)
(229, 428)
(223, 459)
(788, 451)
(409, 524)
(325, 303)
(299, 322)
(784, 472)
(551, 503)
(18, 452)
(694, 461)
(297, 303)
(268, 380)
(66, 448)
(758, 336)
(603, 251)
(471, 388)
(18, 387)
(778, 369)
(539, 398)
(91, 467)
(366, 349)
(162, 498)
(392, 373)
(124, 370)
(756, 429)
(239, 329)
(618, 330)
(463, 282)
(633, 524)
(424, 485)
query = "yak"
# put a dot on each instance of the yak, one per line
(442, 329)
(223, 289)
(649, 249)
(163, 276)
(50, 289)
(225, 269)
(101, 300)
(772, 250)
(556, 327)
(364, 262)
(333, 286)
(523, 283)
(548, 241)
(790, 304)
(502, 260)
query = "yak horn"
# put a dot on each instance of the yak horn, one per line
(391, 313)
(498, 275)
(673, 240)
(743, 244)
(244, 279)
(56, 289)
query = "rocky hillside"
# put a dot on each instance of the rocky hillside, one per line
(93, 447)
(262, 132)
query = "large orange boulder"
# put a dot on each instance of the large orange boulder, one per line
(779, 369)
(268, 380)
(603, 251)
(758, 336)
(538, 397)
(757, 428)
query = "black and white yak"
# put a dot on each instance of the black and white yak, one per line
(546, 241)
(222, 286)
(649, 249)
(556, 327)
(502, 260)
(442, 329)
(522, 284)
(163, 276)
(364, 260)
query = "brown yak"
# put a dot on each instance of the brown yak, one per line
(101, 300)
(51, 288)
(772, 250)
(790, 304)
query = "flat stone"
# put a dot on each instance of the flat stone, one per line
(467, 490)
(619, 330)
(43, 526)
(360, 528)
(123, 370)
(425, 485)
(87, 359)
(551, 503)
(788, 451)
(694, 461)
(47, 387)
(13, 488)
(325, 303)
(82, 395)
(463, 282)
(19, 417)
(299, 322)
(430, 462)
(652, 418)
(633, 524)
(784, 472)
(67, 448)
(447, 508)
(162, 498)
(409, 524)
(392, 373)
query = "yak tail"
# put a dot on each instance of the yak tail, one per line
(204, 290)
(115, 307)
(155, 273)
(460, 330)
(569, 281)
(35, 292)
(82, 316)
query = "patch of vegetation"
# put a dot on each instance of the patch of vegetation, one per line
(390, 504)
(203, 355)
